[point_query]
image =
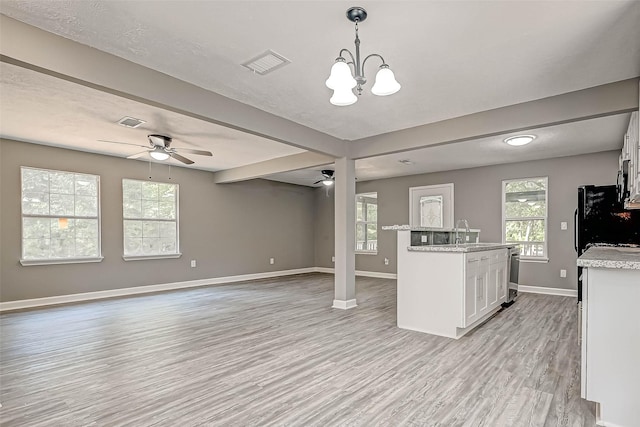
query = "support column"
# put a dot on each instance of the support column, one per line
(345, 233)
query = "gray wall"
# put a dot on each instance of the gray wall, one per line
(478, 199)
(229, 229)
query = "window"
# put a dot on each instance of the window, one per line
(367, 223)
(524, 213)
(60, 217)
(150, 216)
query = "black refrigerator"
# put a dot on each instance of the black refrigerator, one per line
(602, 220)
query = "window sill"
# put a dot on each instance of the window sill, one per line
(542, 260)
(29, 262)
(366, 252)
(146, 257)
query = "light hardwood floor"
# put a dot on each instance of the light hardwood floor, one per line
(273, 352)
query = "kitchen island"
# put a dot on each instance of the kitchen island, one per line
(448, 290)
(611, 334)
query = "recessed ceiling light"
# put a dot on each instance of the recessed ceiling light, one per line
(520, 140)
(405, 162)
(130, 122)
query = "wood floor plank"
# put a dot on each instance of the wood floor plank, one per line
(274, 353)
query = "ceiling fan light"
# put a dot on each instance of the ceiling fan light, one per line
(386, 83)
(343, 97)
(159, 154)
(327, 182)
(341, 77)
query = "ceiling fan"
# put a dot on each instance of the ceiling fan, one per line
(327, 179)
(160, 149)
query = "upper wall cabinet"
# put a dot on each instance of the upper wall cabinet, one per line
(630, 163)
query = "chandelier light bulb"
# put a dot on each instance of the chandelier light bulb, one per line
(340, 77)
(343, 97)
(386, 83)
(159, 154)
(327, 182)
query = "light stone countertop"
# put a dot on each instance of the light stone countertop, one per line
(611, 257)
(465, 247)
(408, 227)
(395, 227)
(447, 230)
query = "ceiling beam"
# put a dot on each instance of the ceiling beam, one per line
(41, 51)
(605, 100)
(269, 167)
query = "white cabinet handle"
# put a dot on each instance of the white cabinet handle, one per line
(484, 257)
(473, 260)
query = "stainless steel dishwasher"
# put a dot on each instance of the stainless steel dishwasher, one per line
(513, 267)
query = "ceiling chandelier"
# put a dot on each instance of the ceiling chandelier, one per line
(342, 80)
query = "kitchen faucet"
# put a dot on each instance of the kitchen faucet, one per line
(466, 233)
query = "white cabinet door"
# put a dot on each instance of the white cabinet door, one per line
(493, 285)
(583, 334)
(497, 284)
(631, 150)
(502, 284)
(470, 306)
(482, 282)
(485, 284)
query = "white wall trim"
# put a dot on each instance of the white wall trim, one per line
(344, 305)
(88, 296)
(548, 291)
(361, 273)
(137, 290)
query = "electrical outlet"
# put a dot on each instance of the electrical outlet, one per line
(272, 261)
(386, 261)
(193, 263)
(423, 239)
(563, 273)
(563, 225)
(333, 259)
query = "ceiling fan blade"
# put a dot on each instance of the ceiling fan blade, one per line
(318, 182)
(123, 143)
(191, 151)
(138, 155)
(179, 158)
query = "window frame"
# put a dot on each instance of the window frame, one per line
(177, 254)
(68, 260)
(545, 245)
(361, 251)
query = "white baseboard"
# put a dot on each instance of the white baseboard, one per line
(88, 296)
(137, 290)
(548, 291)
(360, 273)
(344, 305)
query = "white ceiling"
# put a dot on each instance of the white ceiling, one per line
(452, 58)
(588, 136)
(42, 109)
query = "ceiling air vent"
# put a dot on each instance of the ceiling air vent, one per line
(130, 122)
(266, 62)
